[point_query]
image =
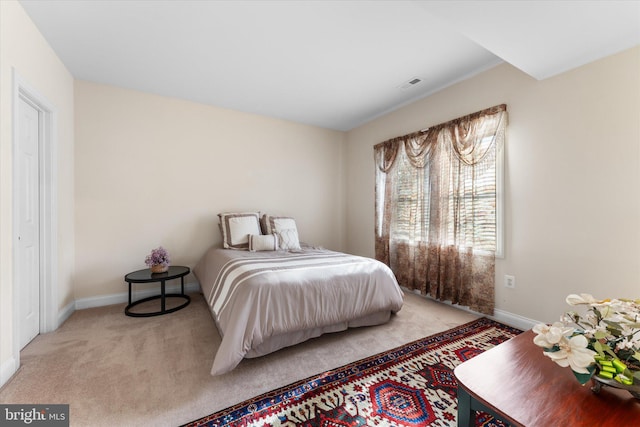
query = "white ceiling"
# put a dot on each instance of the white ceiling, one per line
(334, 64)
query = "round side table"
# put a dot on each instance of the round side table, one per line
(146, 276)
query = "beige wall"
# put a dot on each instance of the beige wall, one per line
(23, 49)
(156, 171)
(572, 178)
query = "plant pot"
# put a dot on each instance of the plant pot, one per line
(159, 268)
(599, 382)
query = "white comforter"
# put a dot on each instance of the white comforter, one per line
(258, 296)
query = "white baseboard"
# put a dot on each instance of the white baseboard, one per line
(102, 300)
(7, 369)
(120, 298)
(66, 312)
(502, 316)
(514, 320)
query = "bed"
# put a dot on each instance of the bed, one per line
(262, 301)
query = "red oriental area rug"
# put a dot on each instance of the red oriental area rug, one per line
(412, 385)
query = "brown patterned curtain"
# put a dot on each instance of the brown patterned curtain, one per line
(436, 208)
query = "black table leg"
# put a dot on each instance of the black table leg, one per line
(162, 307)
(468, 407)
(466, 415)
(129, 293)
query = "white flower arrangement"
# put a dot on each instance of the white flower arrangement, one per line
(604, 341)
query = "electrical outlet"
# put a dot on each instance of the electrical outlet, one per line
(509, 281)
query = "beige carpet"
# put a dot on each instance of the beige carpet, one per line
(116, 370)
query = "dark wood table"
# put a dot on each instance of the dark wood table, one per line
(146, 276)
(515, 382)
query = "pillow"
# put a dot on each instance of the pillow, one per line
(268, 242)
(289, 240)
(286, 229)
(264, 226)
(273, 224)
(236, 228)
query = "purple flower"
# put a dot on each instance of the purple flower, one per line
(158, 256)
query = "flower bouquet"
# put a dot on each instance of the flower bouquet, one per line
(158, 260)
(603, 342)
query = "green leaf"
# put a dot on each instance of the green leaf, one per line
(601, 349)
(600, 335)
(598, 347)
(610, 352)
(583, 378)
(615, 325)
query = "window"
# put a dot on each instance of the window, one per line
(439, 207)
(474, 199)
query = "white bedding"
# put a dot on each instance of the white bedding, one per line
(263, 301)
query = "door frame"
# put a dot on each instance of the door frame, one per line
(48, 208)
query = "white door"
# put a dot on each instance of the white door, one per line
(27, 275)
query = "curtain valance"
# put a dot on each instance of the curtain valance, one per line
(464, 135)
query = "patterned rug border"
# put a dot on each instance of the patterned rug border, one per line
(299, 388)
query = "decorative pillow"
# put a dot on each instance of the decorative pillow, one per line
(273, 224)
(236, 228)
(289, 239)
(285, 227)
(267, 242)
(264, 226)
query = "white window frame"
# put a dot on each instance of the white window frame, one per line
(500, 199)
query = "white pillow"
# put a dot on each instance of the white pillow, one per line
(285, 227)
(236, 228)
(277, 223)
(267, 242)
(289, 239)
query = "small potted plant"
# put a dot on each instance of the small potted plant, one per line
(158, 260)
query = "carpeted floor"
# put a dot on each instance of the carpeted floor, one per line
(117, 370)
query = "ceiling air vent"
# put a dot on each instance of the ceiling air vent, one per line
(411, 83)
